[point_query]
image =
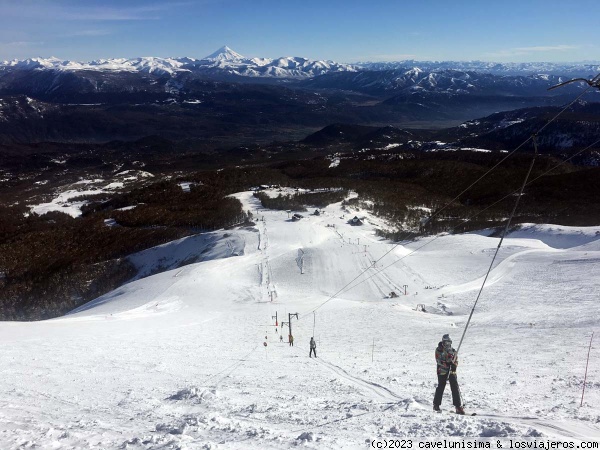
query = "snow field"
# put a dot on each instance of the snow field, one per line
(176, 360)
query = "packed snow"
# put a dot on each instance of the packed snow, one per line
(178, 359)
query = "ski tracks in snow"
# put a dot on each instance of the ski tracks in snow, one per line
(268, 292)
(300, 260)
(379, 392)
(263, 240)
(559, 428)
(378, 274)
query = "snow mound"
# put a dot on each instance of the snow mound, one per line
(188, 250)
(557, 236)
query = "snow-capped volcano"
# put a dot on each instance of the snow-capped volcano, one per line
(224, 54)
(233, 63)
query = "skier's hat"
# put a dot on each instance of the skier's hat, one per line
(446, 337)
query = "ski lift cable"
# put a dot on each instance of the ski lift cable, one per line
(594, 82)
(231, 367)
(513, 151)
(388, 406)
(343, 289)
(468, 219)
(504, 233)
(563, 110)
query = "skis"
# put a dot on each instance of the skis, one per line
(465, 414)
(454, 412)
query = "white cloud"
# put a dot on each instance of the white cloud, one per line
(89, 33)
(548, 48)
(388, 57)
(20, 44)
(522, 51)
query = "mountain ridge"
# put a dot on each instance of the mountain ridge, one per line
(224, 59)
(228, 60)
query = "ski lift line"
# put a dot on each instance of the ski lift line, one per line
(586, 369)
(563, 110)
(231, 367)
(390, 404)
(594, 82)
(526, 182)
(480, 212)
(511, 153)
(504, 233)
(453, 200)
(595, 143)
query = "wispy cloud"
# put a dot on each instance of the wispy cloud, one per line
(41, 10)
(522, 51)
(13, 49)
(20, 44)
(387, 57)
(547, 48)
(109, 14)
(88, 33)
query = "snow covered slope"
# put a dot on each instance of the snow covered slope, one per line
(143, 64)
(224, 54)
(177, 360)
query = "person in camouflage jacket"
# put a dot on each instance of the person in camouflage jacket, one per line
(446, 359)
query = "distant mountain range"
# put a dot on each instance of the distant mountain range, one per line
(150, 79)
(582, 69)
(228, 62)
(224, 60)
(414, 80)
(225, 98)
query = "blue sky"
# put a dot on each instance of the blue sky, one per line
(344, 31)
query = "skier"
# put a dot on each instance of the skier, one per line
(447, 361)
(281, 338)
(291, 340)
(313, 348)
